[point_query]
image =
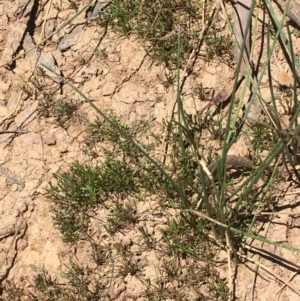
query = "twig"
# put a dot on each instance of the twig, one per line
(7, 233)
(291, 278)
(276, 276)
(12, 132)
(19, 226)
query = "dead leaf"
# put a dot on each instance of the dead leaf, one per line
(294, 12)
(221, 96)
(234, 162)
(241, 16)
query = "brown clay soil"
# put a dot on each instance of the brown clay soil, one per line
(33, 146)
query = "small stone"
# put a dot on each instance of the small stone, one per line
(21, 207)
(15, 213)
(94, 12)
(49, 139)
(71, 38)
(285, 79)
(22, 244)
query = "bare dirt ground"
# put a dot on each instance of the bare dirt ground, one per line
(34, 146)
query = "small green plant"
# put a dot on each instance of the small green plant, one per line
(122, 215)
(126, 263)
(157, 25)
(101, 131)
(171, 268)
(159, 292)
(148, 240)
(179, 241)
(101, 54)
(215, 126)
(73, 4)
(63, 110)
(100, 253)
(168, 79)
(83, 188)
(41, 86)
(203, 93)
(218, 46)
(296, 32)
(218, 288)
(262, 140)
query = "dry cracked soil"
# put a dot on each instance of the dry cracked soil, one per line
(118, 77)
